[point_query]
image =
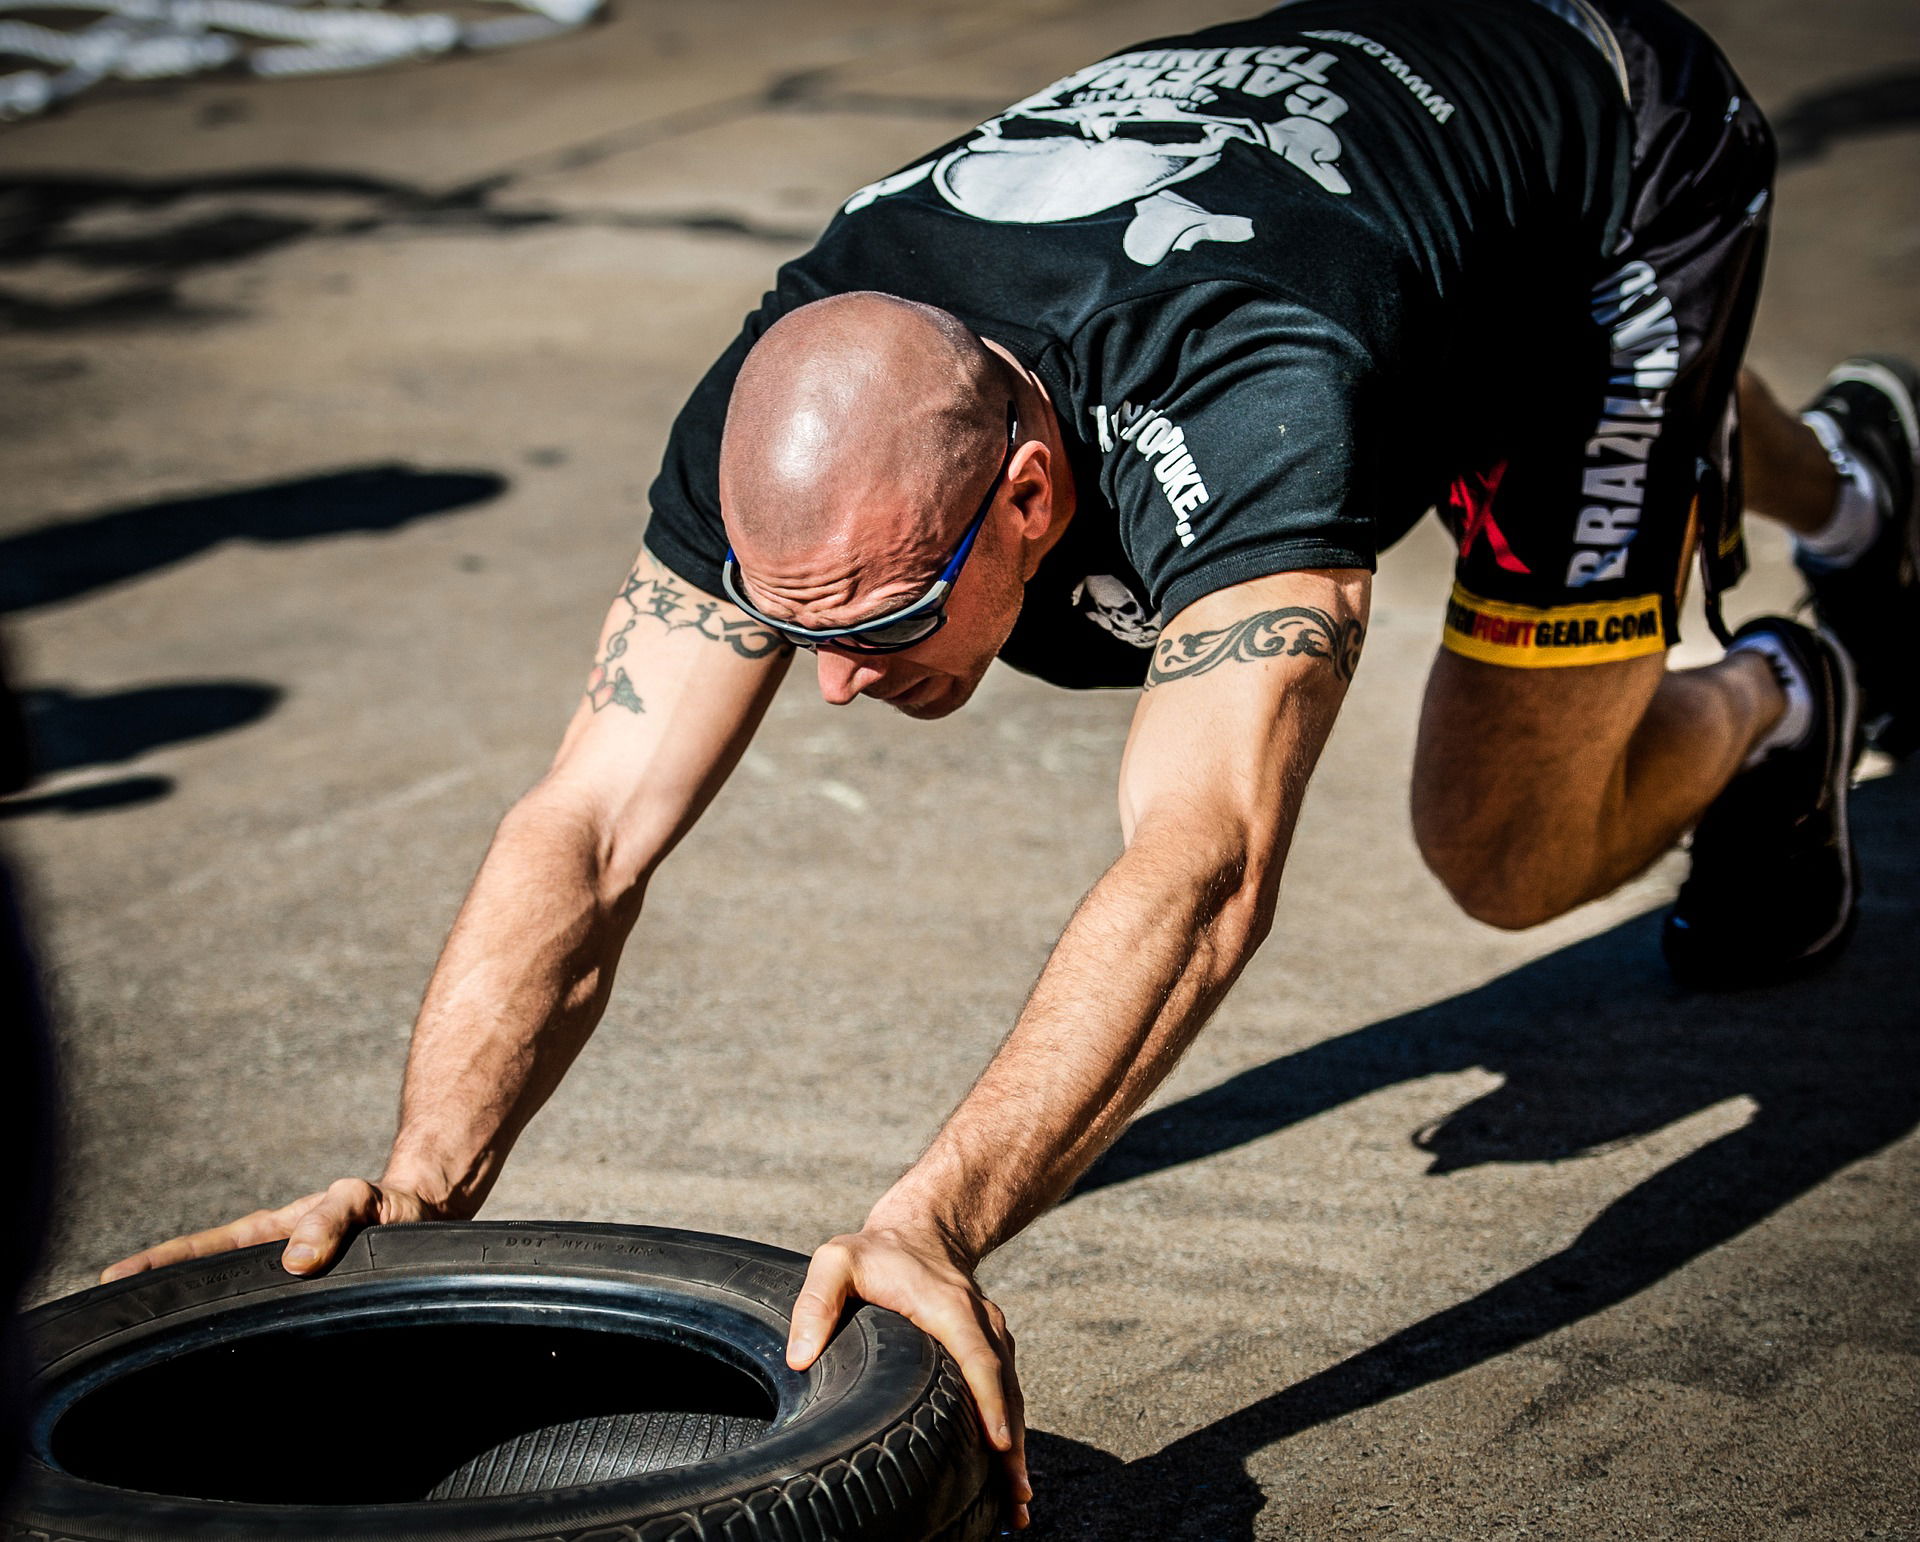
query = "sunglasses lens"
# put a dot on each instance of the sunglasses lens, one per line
(886, 639)
(904, 634)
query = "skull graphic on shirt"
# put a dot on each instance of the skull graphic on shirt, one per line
(1111, 606)
(1083, 146)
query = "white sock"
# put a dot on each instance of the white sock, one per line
(1797, 720)
(1857, 512)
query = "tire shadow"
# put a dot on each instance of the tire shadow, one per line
(1595, 1047)
(56, 562)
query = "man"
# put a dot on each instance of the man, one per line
(1129, 386)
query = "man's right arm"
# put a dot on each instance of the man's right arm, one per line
(680, 683)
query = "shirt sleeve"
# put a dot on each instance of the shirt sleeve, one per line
(1232, 450)
(685, 530)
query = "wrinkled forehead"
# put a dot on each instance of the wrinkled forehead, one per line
(854, 547)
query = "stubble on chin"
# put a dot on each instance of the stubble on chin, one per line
(953, 695)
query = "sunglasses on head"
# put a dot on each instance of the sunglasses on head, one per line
(897, 630)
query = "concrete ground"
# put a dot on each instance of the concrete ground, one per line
(332, 407)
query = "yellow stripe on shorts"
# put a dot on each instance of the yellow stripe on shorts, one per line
(1523, 637)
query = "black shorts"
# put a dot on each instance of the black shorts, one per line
(1575, 537)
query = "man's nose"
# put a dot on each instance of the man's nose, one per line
(844, 676)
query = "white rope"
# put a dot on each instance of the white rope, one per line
(169, 39)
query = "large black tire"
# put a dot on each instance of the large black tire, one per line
(263, 1406)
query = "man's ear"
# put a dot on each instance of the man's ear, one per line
(1034, 499)
(1030, 489)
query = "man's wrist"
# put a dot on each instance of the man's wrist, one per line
(429, 1182)
(925, 1223)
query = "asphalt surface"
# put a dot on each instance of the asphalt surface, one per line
(318, 483)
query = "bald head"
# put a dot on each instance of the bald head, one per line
(863, 421)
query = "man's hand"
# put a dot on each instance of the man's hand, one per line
(920, 1278)
(317, 1227)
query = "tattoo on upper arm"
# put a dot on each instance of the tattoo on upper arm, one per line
(1292, 630)
(609, 685)
(655, 596)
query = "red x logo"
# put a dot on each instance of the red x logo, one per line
(1472, 495)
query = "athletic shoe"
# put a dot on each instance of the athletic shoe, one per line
(1873, 604)
(1773, 891)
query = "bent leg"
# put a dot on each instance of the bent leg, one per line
(1536, 790)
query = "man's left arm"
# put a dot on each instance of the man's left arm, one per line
(1241, 694)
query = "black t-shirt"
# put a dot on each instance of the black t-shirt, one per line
(1275, 277)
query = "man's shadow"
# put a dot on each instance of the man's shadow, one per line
(1594, 1047)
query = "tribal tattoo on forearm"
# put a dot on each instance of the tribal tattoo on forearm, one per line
(1291, 631)
(657, 597)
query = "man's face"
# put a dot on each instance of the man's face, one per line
(937, 677)
(838, 587)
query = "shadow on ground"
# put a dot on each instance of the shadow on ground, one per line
(1595, 1047)
(66, 729)
(94, 798)
(1867, 104)
(52, 563)
(134, 239)
(69, 729)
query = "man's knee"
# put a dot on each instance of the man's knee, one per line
(1513, 779)
(1495, 878)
